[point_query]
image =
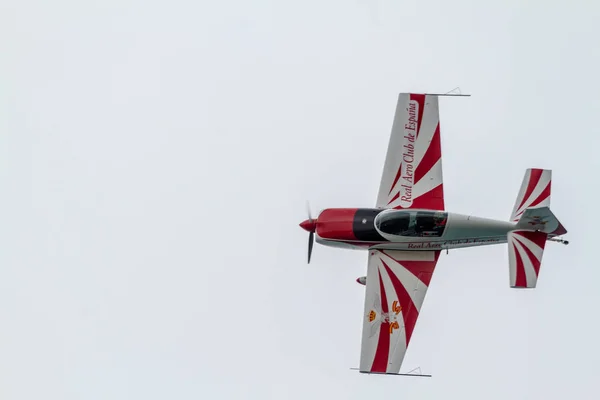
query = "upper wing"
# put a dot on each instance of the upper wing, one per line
(412, 172)
(397, 282)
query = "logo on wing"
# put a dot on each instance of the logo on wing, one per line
(537, 220)
(372, 316)
(377, 317)
(407, 165)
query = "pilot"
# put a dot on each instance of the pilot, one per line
(440, 221)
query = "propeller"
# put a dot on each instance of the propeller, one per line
(311, 235)
(311, 240)
(310, 225)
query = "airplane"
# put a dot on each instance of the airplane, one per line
(408, 228)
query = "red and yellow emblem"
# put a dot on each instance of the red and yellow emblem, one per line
(396, 307)
(372, 316)
(390, 318)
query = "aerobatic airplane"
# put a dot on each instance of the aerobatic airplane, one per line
(408, 228)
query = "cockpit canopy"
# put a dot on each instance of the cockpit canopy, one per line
(411, 223)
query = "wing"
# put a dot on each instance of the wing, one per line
(412, 172)
(397, 282)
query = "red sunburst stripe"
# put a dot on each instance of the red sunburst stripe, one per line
(416, 267)
(538, 238)
(432, 200)
(396, 178)
(521, 280)
(409, 311)
(532, 258)
(383, 346)
(431, 156)
(396, 196)
(419, 98)
(534, 178)
(543, 196)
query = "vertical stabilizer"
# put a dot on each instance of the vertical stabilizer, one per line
(534, 192)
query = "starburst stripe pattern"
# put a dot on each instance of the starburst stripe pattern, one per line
(535, 191)
(525, 251)
(397, 282)
(412, 174)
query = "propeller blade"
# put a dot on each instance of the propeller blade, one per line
(308, 211)
(311, 238)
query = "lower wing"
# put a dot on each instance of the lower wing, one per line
(397, 282)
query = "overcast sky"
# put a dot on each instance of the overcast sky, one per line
(155, 160)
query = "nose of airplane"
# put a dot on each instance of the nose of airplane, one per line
(309, 225)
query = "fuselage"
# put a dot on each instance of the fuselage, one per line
(412, 229)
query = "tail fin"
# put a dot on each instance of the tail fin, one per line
(535, 191)
(534, 223)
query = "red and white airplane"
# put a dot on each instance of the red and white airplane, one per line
(408, 227)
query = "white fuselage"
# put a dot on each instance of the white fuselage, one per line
(460, 231)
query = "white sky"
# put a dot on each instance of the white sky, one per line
(155, 162)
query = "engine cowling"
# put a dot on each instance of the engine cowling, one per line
(362, 280)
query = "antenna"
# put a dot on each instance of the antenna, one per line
(414, 369)
(456, 92)
(395, 374)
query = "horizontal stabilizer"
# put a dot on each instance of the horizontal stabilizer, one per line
(525, 251)
(541, 219)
